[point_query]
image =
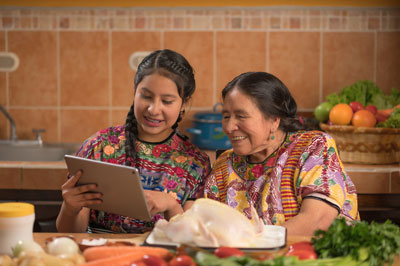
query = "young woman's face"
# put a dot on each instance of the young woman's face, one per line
(245, 125)
(157, 107)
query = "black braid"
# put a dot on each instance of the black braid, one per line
(130, 136)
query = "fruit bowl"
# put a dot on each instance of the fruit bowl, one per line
(366, 145)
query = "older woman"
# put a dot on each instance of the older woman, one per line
(291, 177)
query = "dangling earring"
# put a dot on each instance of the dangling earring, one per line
(272, 136)
(182, 113)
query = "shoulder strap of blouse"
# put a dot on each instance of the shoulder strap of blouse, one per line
(288, 195)
(221, 174)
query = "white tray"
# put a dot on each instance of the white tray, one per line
(273, 237)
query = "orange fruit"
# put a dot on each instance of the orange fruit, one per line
(341, 114)
(363, 118)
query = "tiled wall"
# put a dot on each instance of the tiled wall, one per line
(74, 77)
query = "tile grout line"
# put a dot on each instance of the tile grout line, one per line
(321, 69)
(267, 54)
(215, 71)
(8, 126)
(375, 56)
(58, 49)
(110, 79)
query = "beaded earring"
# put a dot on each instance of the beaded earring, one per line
(272, 137)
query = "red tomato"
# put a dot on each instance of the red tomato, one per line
(223, 252)
(302, 254)
(150, 260)
(301, 245)
(303, 250)
(182, 260)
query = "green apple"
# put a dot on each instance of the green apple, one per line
(321, 112)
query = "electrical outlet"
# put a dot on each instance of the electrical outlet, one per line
(136, 58)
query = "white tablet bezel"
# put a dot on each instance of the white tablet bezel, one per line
(120, 185)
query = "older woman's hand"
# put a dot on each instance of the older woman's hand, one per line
(314, 214)
(77, 197)
(159, 201)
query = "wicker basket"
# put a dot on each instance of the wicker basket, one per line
(366, 145)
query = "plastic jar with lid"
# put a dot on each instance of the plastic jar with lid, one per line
(16, 223)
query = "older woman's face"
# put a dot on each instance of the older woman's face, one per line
(244, 124)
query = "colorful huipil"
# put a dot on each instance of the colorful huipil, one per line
(305, 165)
(174, 166)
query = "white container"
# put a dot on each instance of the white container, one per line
(16, 223)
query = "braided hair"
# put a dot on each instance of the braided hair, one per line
(169, 64)
(270, 95)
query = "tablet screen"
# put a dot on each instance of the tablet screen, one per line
(120, 185)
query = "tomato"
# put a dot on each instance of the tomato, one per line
(223, 252)
(356, 106)
(182, 260)
(302, 254)
(150, 260)
(301, 245)
(303, 250)
(372, 108)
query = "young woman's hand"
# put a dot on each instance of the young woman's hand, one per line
(159, 201)
(77, 197)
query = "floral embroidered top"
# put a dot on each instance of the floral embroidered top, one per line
(174, 166)
(306, 165)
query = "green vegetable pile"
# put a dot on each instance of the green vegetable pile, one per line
(207, 259)
(375, 243)
(393, 121)
(366, 92)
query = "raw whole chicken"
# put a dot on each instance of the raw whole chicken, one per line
(210, 223)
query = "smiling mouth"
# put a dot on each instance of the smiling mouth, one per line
(152, 120)
(237, 138)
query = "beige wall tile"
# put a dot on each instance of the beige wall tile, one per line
(197, 48)
(395, 181)
(119, 116)
(238, 52)
(347, 58)
(28, 119)
(4, 124)
(84, 68)
(35, 81)
(124, 44)
(10, 178)
(294, 59)
(78, 125)
(388, 60)
(187, 122)
(3, 94)
(43, 178)
(370, 182)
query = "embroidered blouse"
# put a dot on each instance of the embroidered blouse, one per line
(305, 165)
(174, 166)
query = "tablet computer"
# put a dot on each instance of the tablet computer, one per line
(120, 185)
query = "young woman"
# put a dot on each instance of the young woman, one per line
(291, 177)
(172, 169)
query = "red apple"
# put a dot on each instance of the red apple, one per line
(356, 106)
(372, 108)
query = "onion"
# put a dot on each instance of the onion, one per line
(26, 247)
(62, 247)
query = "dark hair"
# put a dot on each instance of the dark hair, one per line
(270, 95)
(169, 64)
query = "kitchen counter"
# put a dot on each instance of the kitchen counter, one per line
(40, 183)
(51, 175)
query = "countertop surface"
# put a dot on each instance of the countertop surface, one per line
(51, 175)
